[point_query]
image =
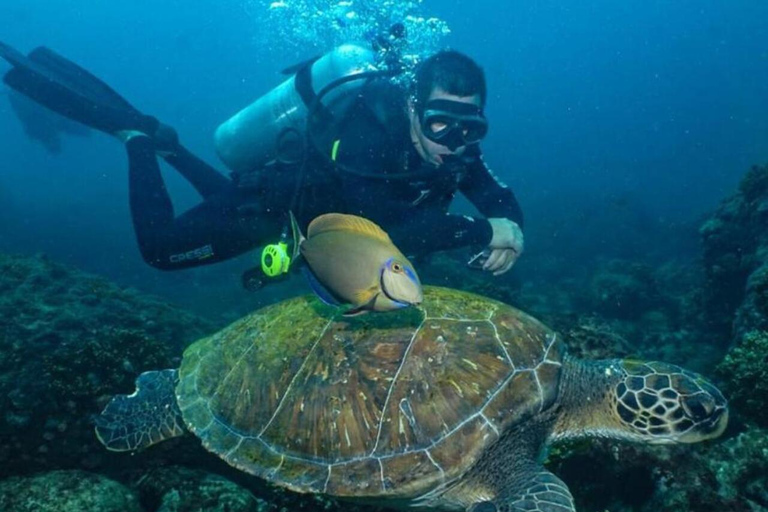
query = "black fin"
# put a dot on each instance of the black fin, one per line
(71, 91)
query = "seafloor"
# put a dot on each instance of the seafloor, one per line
(69, 340)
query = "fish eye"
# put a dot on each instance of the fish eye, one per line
(397, 267)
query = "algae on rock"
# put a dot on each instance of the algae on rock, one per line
(66, 491)
(68, 341)
(745, 374)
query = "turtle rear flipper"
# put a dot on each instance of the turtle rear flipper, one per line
(146, 417)
(542, 492)
(537, 491)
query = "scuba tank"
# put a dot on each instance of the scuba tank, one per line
(277, 130)
(275, 124)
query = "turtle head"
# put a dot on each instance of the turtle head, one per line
(661, 403)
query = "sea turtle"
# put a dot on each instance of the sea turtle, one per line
(446, 406)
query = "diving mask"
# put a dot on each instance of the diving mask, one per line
(453, 123)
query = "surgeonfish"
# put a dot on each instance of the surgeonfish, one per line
(352, 260)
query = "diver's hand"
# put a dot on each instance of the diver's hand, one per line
(500, 261)
(506, 246)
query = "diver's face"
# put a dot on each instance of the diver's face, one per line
(431, 151)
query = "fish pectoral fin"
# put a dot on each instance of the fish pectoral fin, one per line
(364, 308)
(364, 297)
(355, 311)
(348, 223)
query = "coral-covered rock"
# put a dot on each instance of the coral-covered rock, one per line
(66, 491)
(179, 489)
(752, 314)
(69, 340)
(723, 476)
(735, 244)
(745, 374)
(731, 476)
(623, 290)
(590, 338)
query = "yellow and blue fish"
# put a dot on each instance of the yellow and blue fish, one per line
(352, 260)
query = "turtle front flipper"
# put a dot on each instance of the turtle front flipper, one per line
(146, 417)
(541, 491)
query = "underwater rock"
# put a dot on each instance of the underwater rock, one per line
(68, 341)
(745, 374)
(735, 245)
(179, 489)
(722, 476)
(591, 338)
(753, 311)
(66, 491)
(731, 476)
(623, 289)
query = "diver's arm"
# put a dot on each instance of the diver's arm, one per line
(490, 195)
(414, 229)
(428, 231)
(498, 203)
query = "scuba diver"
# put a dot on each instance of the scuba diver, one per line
(337, 136)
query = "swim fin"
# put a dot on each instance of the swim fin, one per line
(64, 87)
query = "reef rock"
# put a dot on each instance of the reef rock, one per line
(68, 341)
(66, 491)
(735, 246)
(745, 374)
(179, 489)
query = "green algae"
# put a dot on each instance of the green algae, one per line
(66, 491)
(745, 374)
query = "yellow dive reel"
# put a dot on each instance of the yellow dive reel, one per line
(275, 264)
(275, 259)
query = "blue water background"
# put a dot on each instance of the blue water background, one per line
(605, 116)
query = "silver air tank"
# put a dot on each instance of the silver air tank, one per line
(249, 139)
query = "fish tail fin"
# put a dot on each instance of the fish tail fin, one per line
(296, 235)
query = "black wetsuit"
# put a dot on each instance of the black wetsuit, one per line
(373, 138)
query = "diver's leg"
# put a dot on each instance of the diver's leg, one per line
(213, 231)
(151, 207)
(206, 180)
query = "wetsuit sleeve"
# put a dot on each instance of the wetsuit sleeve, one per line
(431, 231)
(415, 229)
(490, 195)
